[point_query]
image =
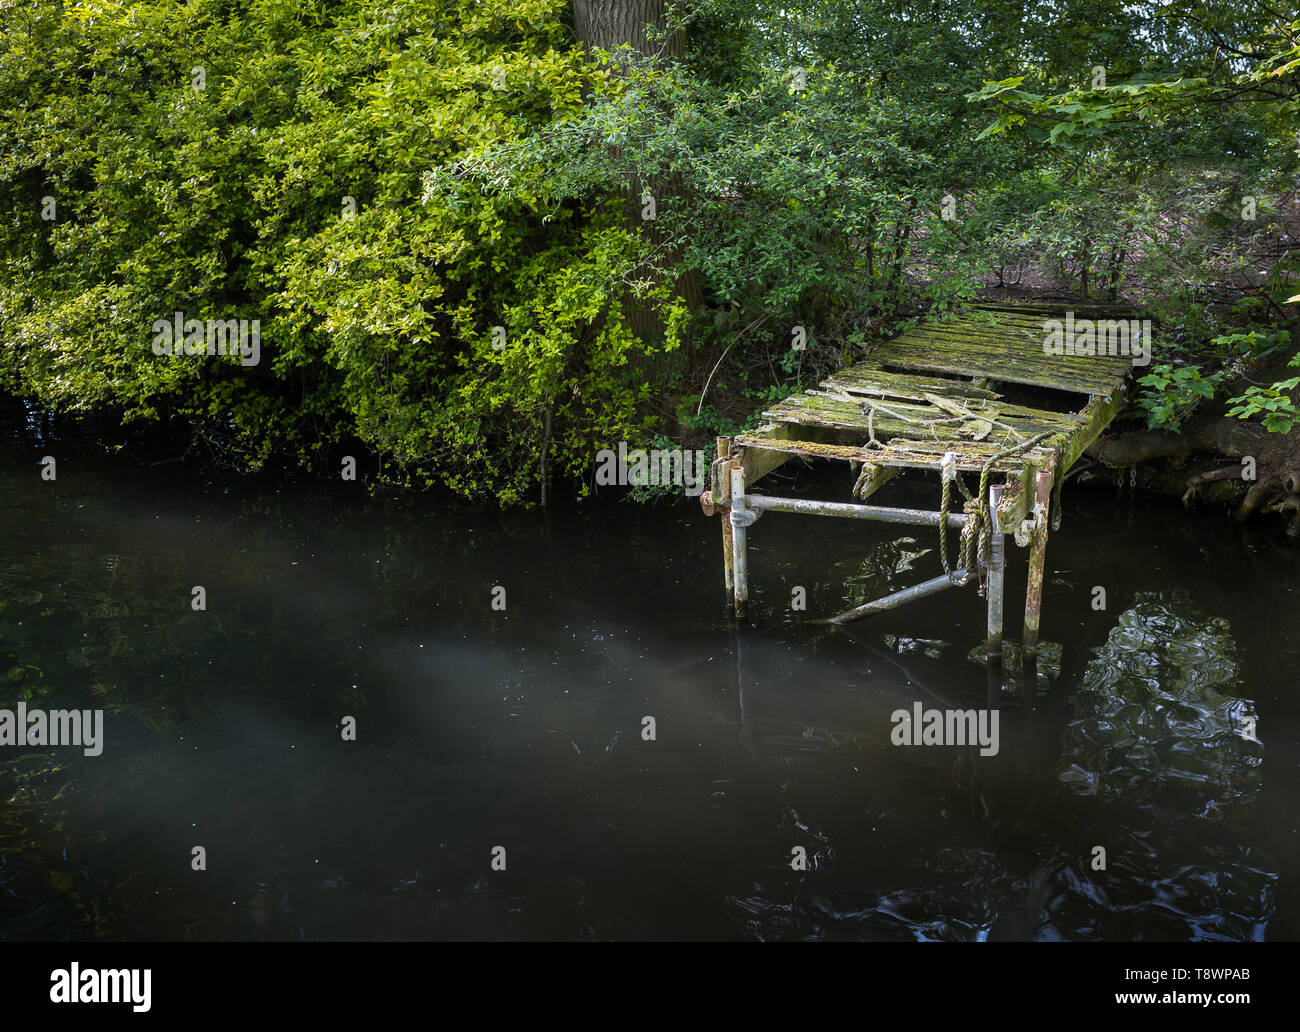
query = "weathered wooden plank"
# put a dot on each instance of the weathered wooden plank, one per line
(1025, 344)
(1031, 336)
(931, 405)
(897, 417)
(872, 479)
(759, 462)
(1081, 309)
(994, 327)
(863, 379)
(1014, 502)
(970, 456)
(999, 367)
(1096, 415)
(788, 444)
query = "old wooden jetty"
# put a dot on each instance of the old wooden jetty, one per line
(976, 395)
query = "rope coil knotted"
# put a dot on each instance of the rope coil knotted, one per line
(977, 534)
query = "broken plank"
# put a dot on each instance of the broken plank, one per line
(863, 379)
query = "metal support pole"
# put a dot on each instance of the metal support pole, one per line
(899, 598)
(724, 449)
(1037, 564)
(996, 578)
(740, 518)
(884, 514)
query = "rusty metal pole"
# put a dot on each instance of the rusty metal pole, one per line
(996, 579)
(740, 518)
(1037, 563)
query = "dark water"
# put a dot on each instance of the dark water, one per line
(522, 729)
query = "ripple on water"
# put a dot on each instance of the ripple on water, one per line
(1155, 750)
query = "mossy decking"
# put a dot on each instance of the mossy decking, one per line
(938, 397)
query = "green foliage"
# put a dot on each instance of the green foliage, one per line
(230, 201)
(1256, 345)
(802, 179)
(1172, 393)
(1164, 161)
(1183, 62)
(815, 164)
(1275, 407)
(1278, 411)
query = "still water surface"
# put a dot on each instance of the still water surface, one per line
(523, 728)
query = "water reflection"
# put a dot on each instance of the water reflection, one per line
(1152, 760)
(1162, 744)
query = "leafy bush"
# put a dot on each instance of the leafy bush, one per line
(1276, 409)
(297, 163)
(1173, 393)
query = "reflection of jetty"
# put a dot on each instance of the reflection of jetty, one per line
(937, 398)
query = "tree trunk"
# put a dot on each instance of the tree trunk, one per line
(607, 25)
(1118, 254)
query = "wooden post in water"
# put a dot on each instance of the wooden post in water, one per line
(720, 492)
(996, 579)
(740, 518)
(1037, 564)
